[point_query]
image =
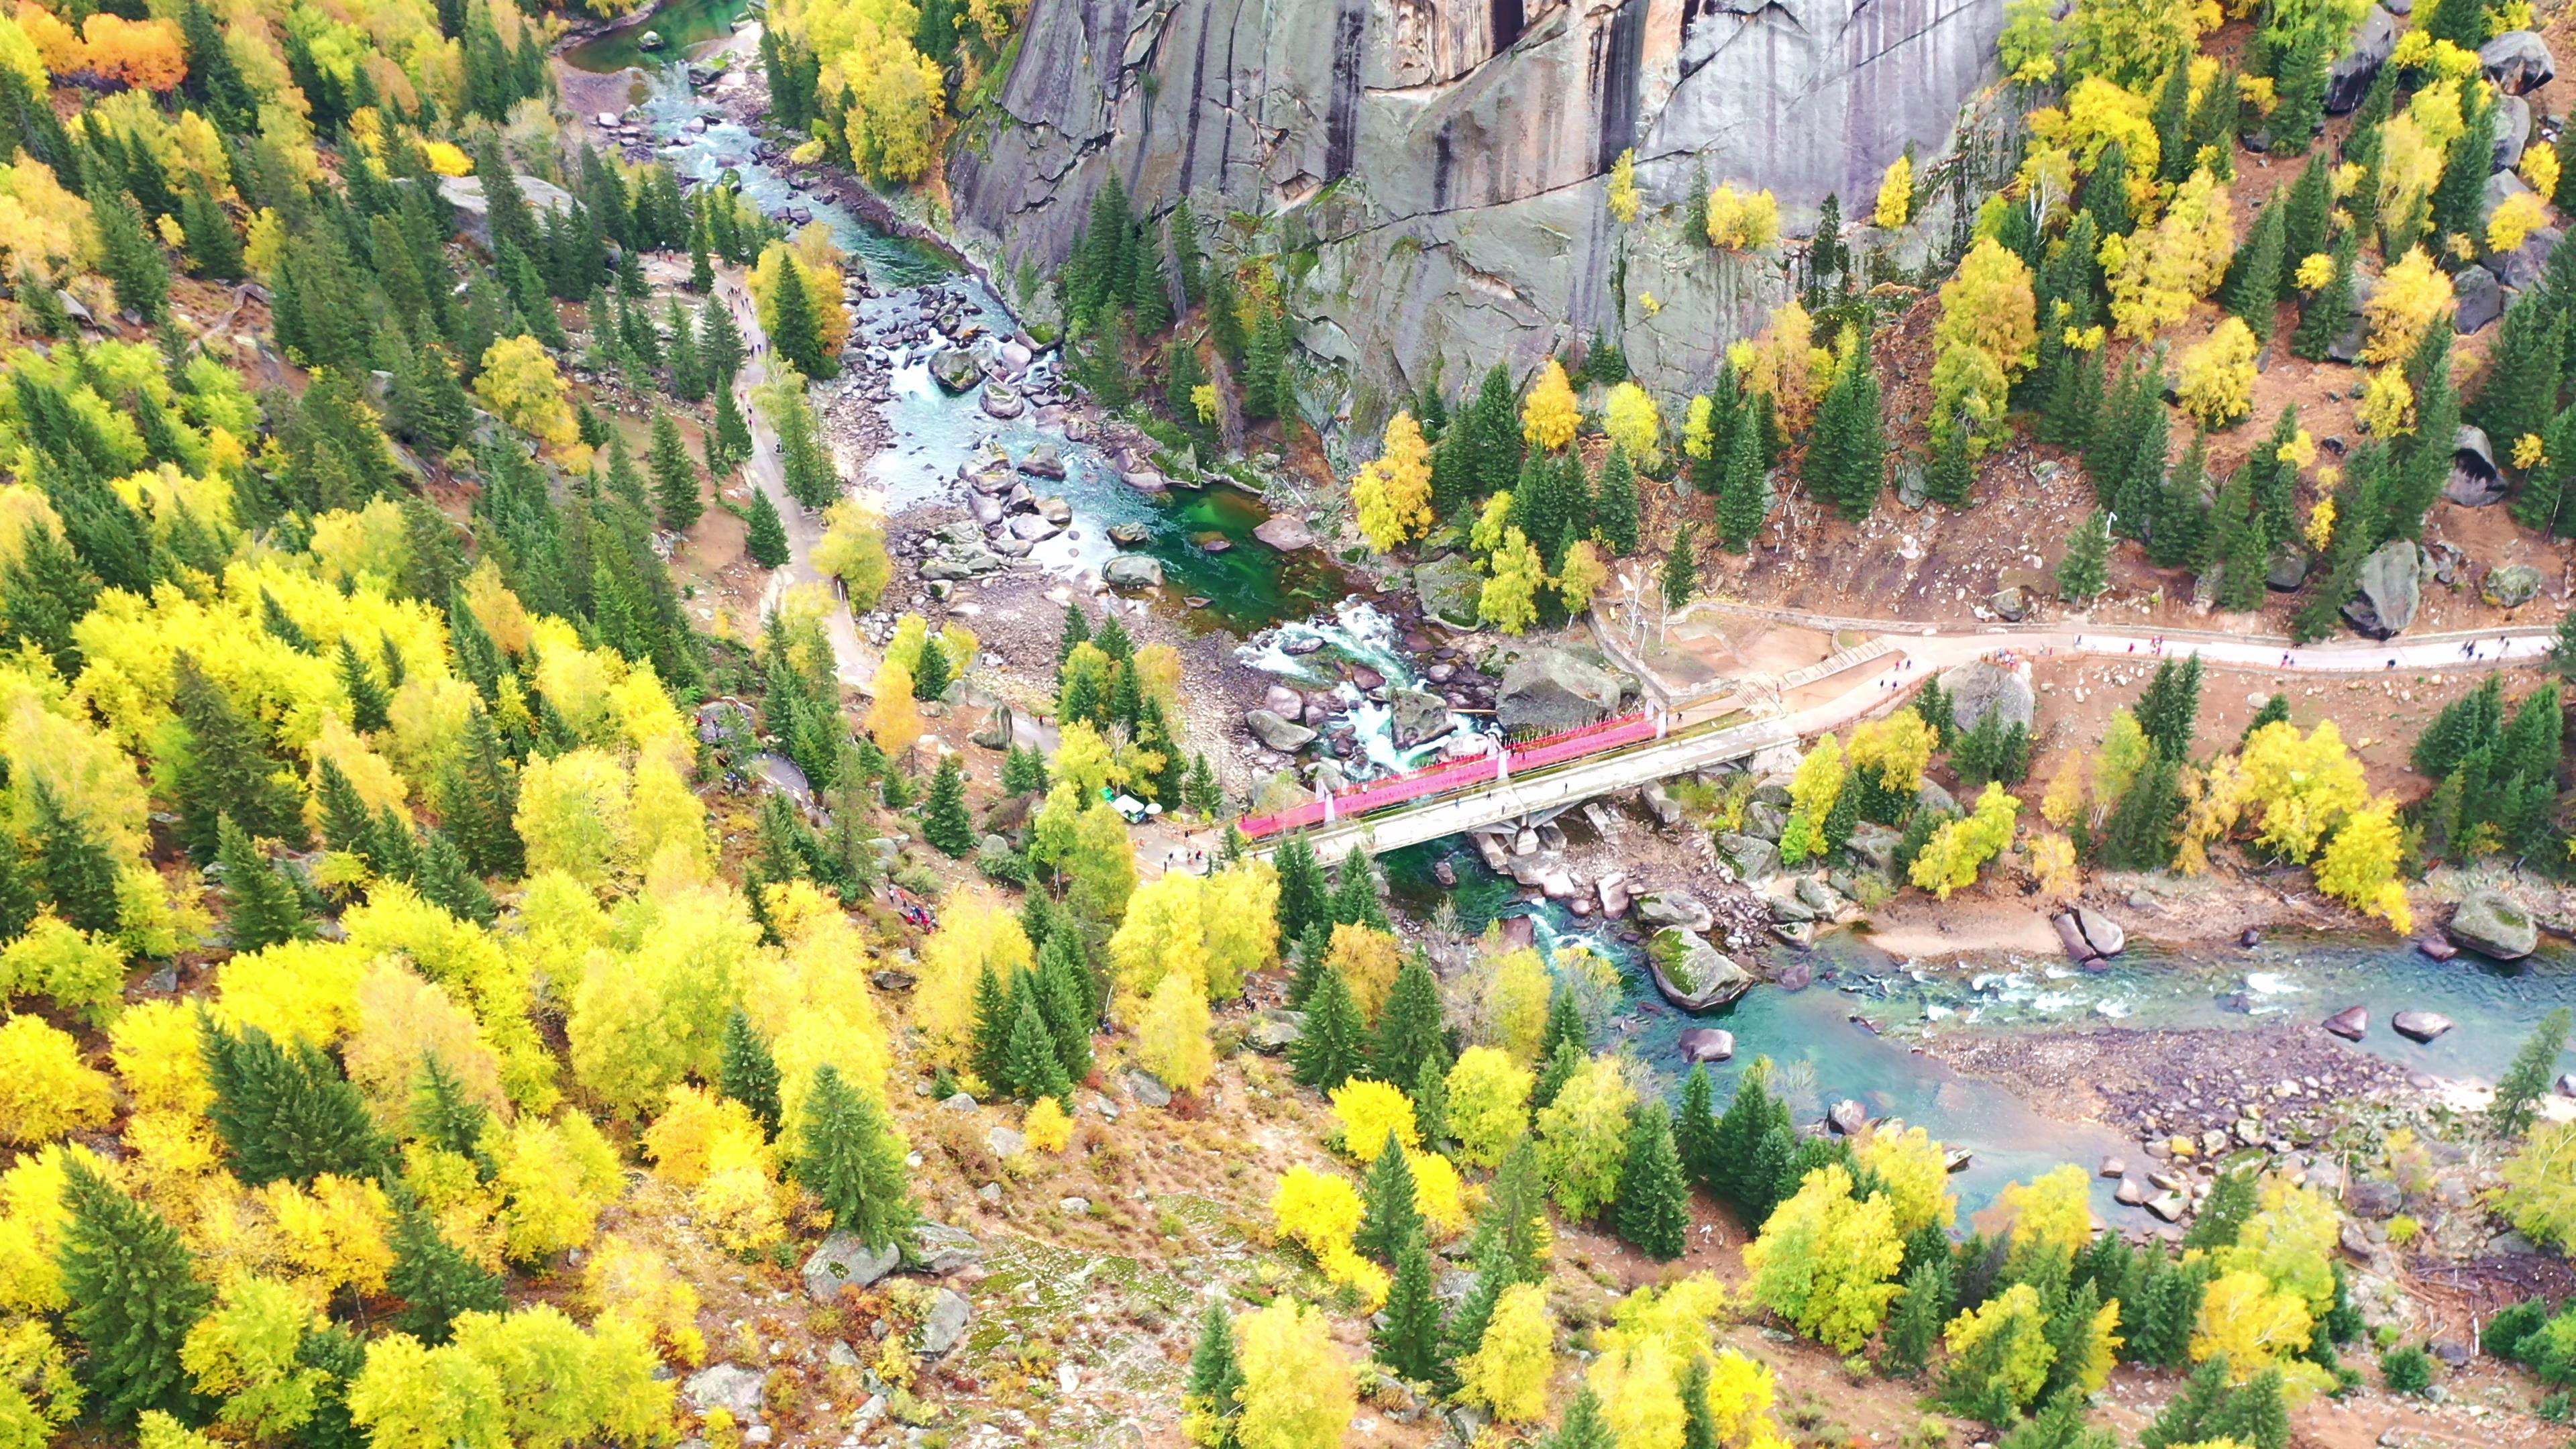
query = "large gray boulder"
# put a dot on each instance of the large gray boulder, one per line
(1419, 715)
(2481, 299)
(1676, 909)
(2494, 927)
(2373, 41)
(2474, 482)
(1874, 845)
(944, 1326)
(2510, 587)
(1449, 589)
(1132, 571)
(1554, 689)
(2518, 61)
(464, 194)
(732, 1387)
(955, 369)
(2512, 132)
(1285, 532)
(1277, 733)
(2389, 591)
(841, 1261)
(1752, 858)
(2522, 266)
(1692, 974)
(1979, 688)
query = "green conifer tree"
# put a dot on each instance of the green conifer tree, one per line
(446, 881)
(1409, 1341)
(435, 1281)
(1914, 1324)
(1389, 1218)
(1744, 495)
(2527, 1079)
(286, 1112)
(1029, 1061)
(944, 821)
(1216, 1374)
(676, 494)
(1653, 1211)
(262, 906)
(767, 542)
(798, 332)
(1614, 504)
(2254, 278)
(2329, 314)
(747, 1073)
(1332, 1046)
(2084, 572)
(853, 1160)
(132, 1294)
(1409, 1027)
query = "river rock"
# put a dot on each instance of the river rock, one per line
(2373, 41)
(1145, 480)
(1419, 716)
(1847, 1117)
(1692, 974)
(1553, 689)
(2352, 1023)
(1677, 909)
(1277, 733)
(2436, 948)
(2101, 932)
(1285, 532)
(841, 1261)
(962, 561)
(2511, 587)
(1033, 528)
(2070, 936)
(1046, 460)
(1752, 858)
(1613, 891)
(1979, 688)
(2420, 1025)
(2389, 590)
(1130, 535)
(1707, 1044)
(1003, 402)
(1132, 571)
(2171, 1207)
(955, 369)
(2518, 61)
(2132, 1192)
(2494, 927)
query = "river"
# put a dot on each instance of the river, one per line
(1273, 600)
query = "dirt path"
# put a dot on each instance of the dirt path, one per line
(852, 659)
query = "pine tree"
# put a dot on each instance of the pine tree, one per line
(1389, 1220)
(1330, 1049)
(1583, 1427)
(767, 542)
(1695, 1128)
(2254, 278)
(129, 1282)
(227, 770)
(2329, 314)
(2084, 572)
(1430, 1093)
(2305, 217)
(2424, 460)
(1216, 1374)
(74, 866)
(263, 909)
(1614, 504)
(675, 479)
(2520, 1089)
(1029, 1062)
(1914, 1325)
(2239, 550)
(478, 798)
(1065, 1000)
(1556, 1068)
(2171, 116)
(797, 333)
(1950, 478)
(1654, 1200)
(446, 881)
(286, 1112)
(944, 821)
(132, 259)
(2459, 196)
(1749, 1117)
(730, 439)
(995, 1014)
(1409, 1342)
(1681, 570)
(1743, 497)
(2520, 394)
(1355, 895)
(1564, 1027)
(1304, 891)
(443, 1116)
(746, 1072)
(1408, 1028)
(853, 1160)
(434, 1280)
(2180, 508)
(2187, 1416)
(2302, 79)
(1312, 950)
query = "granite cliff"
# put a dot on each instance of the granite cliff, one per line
(1443, 163)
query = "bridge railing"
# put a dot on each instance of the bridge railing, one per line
(1551, 749)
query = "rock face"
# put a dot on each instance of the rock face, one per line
(2494, 927)
(1465, 146)
(2373, 41)
(2390, 588)
(1978, 688)
(474, 214)
(1551, 689)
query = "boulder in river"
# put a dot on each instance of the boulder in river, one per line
(1678, 909)
(1132, 571)
(1847, 1117)
(2420, 1025)
(1003, 402)
(1129, 535)
(2100, 932)
(955, 369)
(1707, 1044)
(1692, 974)
(1285, 532)
(1419, 716)
(2352, 1023)
(2494, 927)
(1554, 689)
(1046, 460)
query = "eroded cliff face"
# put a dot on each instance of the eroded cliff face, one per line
(1447, 160)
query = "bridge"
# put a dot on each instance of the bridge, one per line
(1675, 735)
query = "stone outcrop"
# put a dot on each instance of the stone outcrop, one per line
(474, 214)
(1552, 689)
(1446, 160)
(2390, 590)
(1978, 688)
